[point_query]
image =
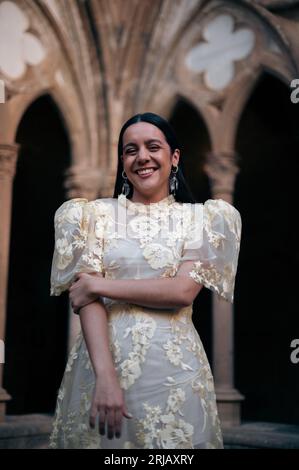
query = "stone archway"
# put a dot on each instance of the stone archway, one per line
(36, 324)
(266, 305)
(45, 55)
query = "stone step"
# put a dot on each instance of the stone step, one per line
(25, 431)
(33, 431)
(260, 435)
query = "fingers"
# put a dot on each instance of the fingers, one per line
(110, 421)
(126, 414)
(78, 276)
(109, 405)
(92, 416)
(102, 421)
(118, 423)
(75, 307)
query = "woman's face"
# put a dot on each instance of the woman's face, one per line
(147, 161)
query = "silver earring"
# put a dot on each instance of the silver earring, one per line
(173, 182)
(126, 188)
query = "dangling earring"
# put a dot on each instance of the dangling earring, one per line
(173, 182)
(126, 186)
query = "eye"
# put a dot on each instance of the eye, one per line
(130, 151)
(154, 148)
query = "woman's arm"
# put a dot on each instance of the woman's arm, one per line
(154, 293)
(94, 324)
(175, 292)
(108, 401)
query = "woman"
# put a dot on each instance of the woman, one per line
(138, 376)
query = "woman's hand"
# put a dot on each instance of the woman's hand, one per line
(83, 291)
(108, 403)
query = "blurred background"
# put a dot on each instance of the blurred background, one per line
(72, 72)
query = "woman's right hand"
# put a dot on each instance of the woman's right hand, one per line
(108, 402)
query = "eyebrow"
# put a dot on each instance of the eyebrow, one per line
(147, 142)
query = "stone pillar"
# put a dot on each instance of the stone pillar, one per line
(8, 158)
(222, 169)
(83, 181)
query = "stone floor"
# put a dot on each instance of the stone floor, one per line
(259, 435)
(25, 432)
(32, 432)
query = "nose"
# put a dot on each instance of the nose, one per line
(143, 155)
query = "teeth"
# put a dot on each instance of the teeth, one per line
(145, 171)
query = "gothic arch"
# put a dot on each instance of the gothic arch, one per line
(237, 100)
(266, 195)
(36, 329)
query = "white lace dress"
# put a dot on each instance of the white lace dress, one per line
(158, 355)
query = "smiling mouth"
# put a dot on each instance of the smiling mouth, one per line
(145, 171)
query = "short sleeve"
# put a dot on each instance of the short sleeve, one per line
(216, 252)
(78, 243)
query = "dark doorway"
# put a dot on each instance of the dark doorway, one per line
(266, 304)
(36, 328)
(194, 139)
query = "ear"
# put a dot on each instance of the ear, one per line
(175, 157)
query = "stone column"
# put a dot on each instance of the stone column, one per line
(8, 158)
(222, 169)
(83, 181)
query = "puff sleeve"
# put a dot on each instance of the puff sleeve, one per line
(78, 243)
(215, 253)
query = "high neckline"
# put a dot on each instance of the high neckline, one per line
(166, 201)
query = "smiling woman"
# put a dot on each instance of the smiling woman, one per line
(147, 160)
(139, 356)
(147, 142)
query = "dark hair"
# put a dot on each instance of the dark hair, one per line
(183, 194)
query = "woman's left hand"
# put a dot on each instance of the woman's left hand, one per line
(83, 291)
